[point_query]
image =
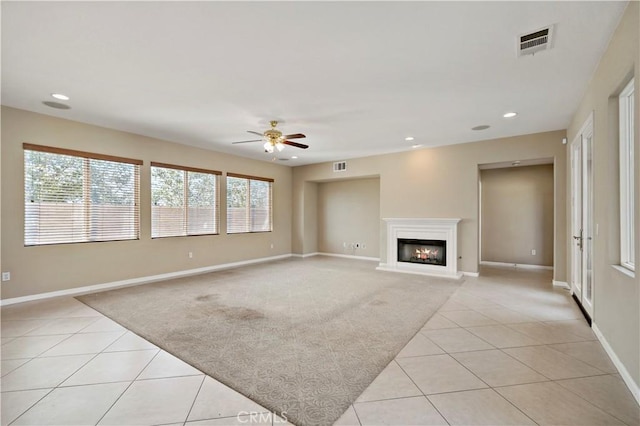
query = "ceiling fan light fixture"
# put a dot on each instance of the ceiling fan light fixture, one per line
(273, 139)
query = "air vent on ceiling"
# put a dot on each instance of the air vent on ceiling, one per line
(534, 42)
(340, 166)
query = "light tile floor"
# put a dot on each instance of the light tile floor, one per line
(507, 348)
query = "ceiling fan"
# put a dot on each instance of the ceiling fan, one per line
(275, 140)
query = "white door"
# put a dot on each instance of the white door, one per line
(582, 216)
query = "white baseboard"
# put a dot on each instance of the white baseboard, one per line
(470, 274)
(348, 256)
(304, 256)
(628, 380)
(561, 284)
(516, 265)
(315, 253)
(137, 281)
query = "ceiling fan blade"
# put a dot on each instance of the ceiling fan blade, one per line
(295, 136)
(255, 133)
(296, 144)
(255, 140)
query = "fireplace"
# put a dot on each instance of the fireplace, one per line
(422, 246)
(429, 252)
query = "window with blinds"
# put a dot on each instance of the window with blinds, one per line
(184, 201)
(76, 197)
(249, 207)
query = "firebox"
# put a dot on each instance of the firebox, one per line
(430, 252)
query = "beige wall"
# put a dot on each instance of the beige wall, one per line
(517, 215)
(349, 212)
(311, 220)
(57, 267)
(616, 295)
(443, 182)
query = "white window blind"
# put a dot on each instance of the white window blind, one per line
(184, 201)
(627, 178)
(73, 196)
(249, 207)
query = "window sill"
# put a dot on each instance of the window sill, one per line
(626, 271)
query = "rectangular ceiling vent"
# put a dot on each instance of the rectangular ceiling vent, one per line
(537, 41)
(339, 166)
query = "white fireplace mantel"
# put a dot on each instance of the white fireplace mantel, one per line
(422, 229)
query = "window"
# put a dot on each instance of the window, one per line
(627, 179)
(248, 204)
(184, 201)
(75, 197)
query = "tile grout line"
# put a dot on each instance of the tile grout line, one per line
(422, 392)
(31, 406)
(193, 403)
(589, 402)
(130, 383)
(570, 391)
(356, 413)
(500, 349)
(54, 388)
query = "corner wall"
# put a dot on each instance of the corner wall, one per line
(616, 295)
(443, 182)
(50, 268)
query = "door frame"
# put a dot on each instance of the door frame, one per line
(581, 215)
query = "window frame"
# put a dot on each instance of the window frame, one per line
(86, 157)
(249, 178)
(186, 170)
(627, 179)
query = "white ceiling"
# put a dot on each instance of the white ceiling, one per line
(356, 77)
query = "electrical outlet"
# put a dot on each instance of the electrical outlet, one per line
(190, 255)
(6, 276)
(344, 244)
(533, 252)
(357, 245)
(271, 245)
(363, 245)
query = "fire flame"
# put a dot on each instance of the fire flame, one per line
(425, 253)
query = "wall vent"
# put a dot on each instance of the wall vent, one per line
(536, 41)
(339, 166)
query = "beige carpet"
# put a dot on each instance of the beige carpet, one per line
(303, 337)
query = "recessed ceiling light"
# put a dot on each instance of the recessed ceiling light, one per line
(481, 127)
(510, 114)
(416, 146)
(60, 96)
(294, 157)
(408, 138)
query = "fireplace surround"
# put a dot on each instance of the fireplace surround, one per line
(422, 246)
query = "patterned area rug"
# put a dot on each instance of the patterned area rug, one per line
(300, 337)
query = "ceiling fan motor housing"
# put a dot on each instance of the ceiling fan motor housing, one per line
(272, 134)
